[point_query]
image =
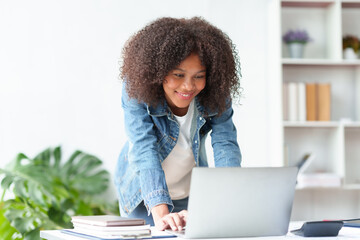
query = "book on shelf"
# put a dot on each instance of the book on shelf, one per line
(285, 101)
(294, 101)
(306, 101)
(324, 101)
(301, 91)
(311, 103)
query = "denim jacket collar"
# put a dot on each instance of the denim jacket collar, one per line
(163, 109)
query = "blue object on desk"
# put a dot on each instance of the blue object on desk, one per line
(319, 229)
(350, 224)
(98, 238)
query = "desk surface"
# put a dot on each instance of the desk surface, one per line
(345, 233)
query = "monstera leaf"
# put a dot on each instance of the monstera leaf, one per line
(47, 193)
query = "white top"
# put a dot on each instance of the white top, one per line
(179, 163)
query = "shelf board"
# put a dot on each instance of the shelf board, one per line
(342, 187)
(352, 186)
(352, 125)
(350, 3)
(321, 124)
(320, 188)
(319, 62)
(306, 3)
(331, 124)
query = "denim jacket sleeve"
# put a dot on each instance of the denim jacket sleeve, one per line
(143, 153)
(224, 140)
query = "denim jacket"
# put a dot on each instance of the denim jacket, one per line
(152, 134)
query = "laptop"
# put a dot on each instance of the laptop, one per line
(239, 202)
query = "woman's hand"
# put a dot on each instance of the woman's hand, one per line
(175, 221)
(163, 219)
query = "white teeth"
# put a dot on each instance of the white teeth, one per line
(185, 95)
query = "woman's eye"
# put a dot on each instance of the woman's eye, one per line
(199, 76)
(178, 75)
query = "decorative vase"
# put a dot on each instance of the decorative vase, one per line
(349, 54)
(296, 50)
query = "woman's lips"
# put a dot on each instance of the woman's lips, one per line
(184, 96)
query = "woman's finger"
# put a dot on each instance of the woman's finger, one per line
(178, 220)
(161, 225)
(183, 214)
(169, 219)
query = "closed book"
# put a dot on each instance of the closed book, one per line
(157, 235)
(108, 220)
(301, 101)
(311, 102)
(143, 232)
(324, 101)
(318, 180)
(292, 101)
(285, 101)
(110, 228)
(99, 236)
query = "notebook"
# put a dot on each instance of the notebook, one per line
(92, 237)
(107, 220)
(239, 202)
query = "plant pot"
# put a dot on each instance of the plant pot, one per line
(296, 50)
(350, 54)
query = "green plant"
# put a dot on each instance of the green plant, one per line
(46, 193)
(350, 41)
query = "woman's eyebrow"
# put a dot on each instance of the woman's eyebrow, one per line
(185, 71)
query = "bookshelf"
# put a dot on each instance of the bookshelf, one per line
(335, 143)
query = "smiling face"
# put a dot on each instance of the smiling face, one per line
(183, 83)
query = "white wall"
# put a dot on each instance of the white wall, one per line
(59, 72)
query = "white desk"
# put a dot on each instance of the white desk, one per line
(345, 233)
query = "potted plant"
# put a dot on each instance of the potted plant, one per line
(45, 192)
(295, 40)
(351, 46)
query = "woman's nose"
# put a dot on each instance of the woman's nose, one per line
(189, 84)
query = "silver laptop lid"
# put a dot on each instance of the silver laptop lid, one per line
(240, 202)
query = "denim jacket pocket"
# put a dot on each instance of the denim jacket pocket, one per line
(128, 189)
(161, 142)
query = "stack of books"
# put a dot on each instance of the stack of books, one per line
(306, 180)
(307, 101)
(315, 179)
(109, 227)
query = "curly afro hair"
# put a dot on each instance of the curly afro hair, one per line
(150, 54)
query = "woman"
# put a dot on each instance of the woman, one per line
(179, 78)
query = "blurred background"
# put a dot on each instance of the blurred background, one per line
(59, 68)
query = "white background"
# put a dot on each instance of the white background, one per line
(59, 67)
